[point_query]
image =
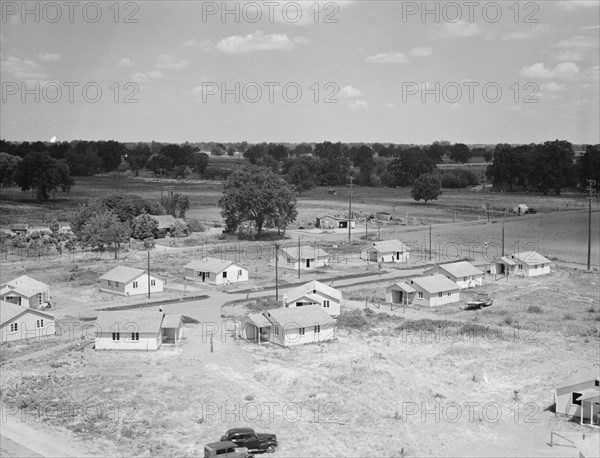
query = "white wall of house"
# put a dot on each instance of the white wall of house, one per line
(32, 302)
(137, 286)
(147, 341)
(564, 397)
(330, 305)
(288, 263)
(234, 274)
(532, 271)
(432, 300)
(396, 256)
(291, 336)
(30, 325)
(472, 281)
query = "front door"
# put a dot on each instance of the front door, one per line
(308, 263)
(397, 255)
(203, 276)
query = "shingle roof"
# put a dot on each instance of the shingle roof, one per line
(213, 265)
(531, 258)
(305, 252)
(299, 317)
(403, 286)
(123, 274)
(435, 283)
(311, 286)
(127, 321)
(8, 311)
(258, 319)
(171, 320)
(461, 269)
(27, 286)
(508, 261)
(388, 246)
(579, 377)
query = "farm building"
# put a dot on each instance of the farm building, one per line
(386, 251)
(579, 396)
(463, 273)
(25, 291)
(136, 330)
(333, 222)
(21, 323)
(524, 264)
(165, 222)
(290, 326)
(312, 293)
(128, 281)
(430, 291)
(309, 258)
(215, 271)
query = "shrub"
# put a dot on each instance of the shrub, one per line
(534, 309)
(355, 320)
(459, 179)
(195, 226)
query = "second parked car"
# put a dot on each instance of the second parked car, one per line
(246, 437)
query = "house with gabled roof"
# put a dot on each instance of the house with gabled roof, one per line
(333, 222)
(579, 396)
(385, 251)
(255, 326)
(136, 329)
(400, 293)
(314, 293)
(215, 271)
(463, 273)
(524, 264)
(19, 323)
(300, 325)
(308, 257)
(165, 222)
(429, 291)
(129, 281)
(25, 291)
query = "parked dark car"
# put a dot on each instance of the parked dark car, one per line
(246, 437)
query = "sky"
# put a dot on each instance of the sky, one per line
(352, 71)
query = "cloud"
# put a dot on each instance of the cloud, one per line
(24, 69)
(349, 91)
(420, 52)
(578, 42)
(258, 41)
(49, 57)
(204, 45)
(125, 62)
(167, 62)
(569, 55)
(553, 87)
(388, 58)
(140, 77)
(532, 32)
(460, 29)
(358, 105)
(566, 70)
(574, 5)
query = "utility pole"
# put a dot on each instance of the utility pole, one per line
(276, 273)
(503, 238)
(366, 228)
(350, 210)
(591, 185)
(488, 212)
(148, 274)
(299, 257)
(430, 242)
(161, 182)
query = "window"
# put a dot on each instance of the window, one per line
(117, 284)
(289, 261)
(116, 336)
(520, 266)
(440, 294)
(536, 266)
(239, 272)
(14, 327)
(276, 330)
(135, 284)
(326, 303)
(317, 329)
(39, 298)
(135, 336)
(449, 293)
(420, 294)
(109, 283)
(39, 323)
(464, 278)
(576, 398)
(314, 291)
(152, 282)
(225, 274)
(596, 382)
(301, 331)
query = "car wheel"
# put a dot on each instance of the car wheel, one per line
(270, 449)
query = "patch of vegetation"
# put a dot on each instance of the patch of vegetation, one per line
(534, 309)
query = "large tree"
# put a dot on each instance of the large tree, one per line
(8, 167)
(302, 172)
(257, 195)
(552, 166)
(459, 152)
(588, 166)
(410, 164)
(104, 229)
(426, 187)
(43, 173)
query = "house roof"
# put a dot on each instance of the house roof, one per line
(127, 321)
(403, 286)
(581, 377)
(459, 269)
(258, 319)
(26, 286)
(299, 317)
(123, 274)
(435, 283)
(305, 252)
(171, 320)
(166, 221)
(9, 311)
(214, 265)
(308, 288)
(508, 261)
(387, 246)
(531, 258)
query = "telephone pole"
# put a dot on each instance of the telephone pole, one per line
(430, 242)
(350, 210)
(299, 257)
(502, 238)
(148, 274)
(591, 185)
(276, 273)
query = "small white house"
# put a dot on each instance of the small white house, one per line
(255, 326)
(128, 281)
(300, 325)
(463, 273)
(19, 323)
(215, 271)
(429, 291)
(136, 330)
(309, 257)
(386, 251)
(314, 293)
(579, 396)
(524, 264)
(25, 291)
(400, 293)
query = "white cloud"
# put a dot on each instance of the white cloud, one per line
(421, 52)
(167, 62)
(50, 57)
(566, 70)
(140, 77)
(125, 62)
(154, 74)
(388, 58)
(204, 45)
(553, 87)
(528, 34)
(578, 41)
(569, 55)
(358, 105)
(460, 29)
(572, 5)
(258, 41)
(349, 91)
(24, 69)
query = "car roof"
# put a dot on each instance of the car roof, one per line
(239, 430)
(220, 445)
